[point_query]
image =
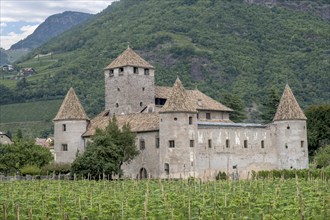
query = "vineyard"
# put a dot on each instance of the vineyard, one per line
(165, 199)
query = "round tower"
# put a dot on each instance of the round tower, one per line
(70, 123)
(290, 133)
(177, 134)
(129, 84)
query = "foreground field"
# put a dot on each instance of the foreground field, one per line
(166, 199)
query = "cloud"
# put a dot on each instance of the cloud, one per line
(36, 12)
(11, 38)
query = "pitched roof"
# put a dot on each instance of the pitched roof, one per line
(71, 109)
(179, 100)
(288, 108)
(199, 99)
(129, 58)
(138, 122)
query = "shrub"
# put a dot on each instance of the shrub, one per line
(221, 176)
(56, 168)
(30, 170)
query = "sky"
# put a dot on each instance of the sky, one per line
(19, 18)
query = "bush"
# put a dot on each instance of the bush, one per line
(30, 170)
(57, 168)
(322, 157)
(290, 174)
(221, 176)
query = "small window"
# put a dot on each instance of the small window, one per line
(121, 69)
(157, 142)
(141, 103)
(208, 115)
(301, 143)
(245, 143)
(136, 70)
(262, 144)
(63, 127)
(171, 144)
(111, 73)
(227, 143)
(286, 146)
(288, 127)
(192, 143)
(190, 120)
(146, 71)
(167, 168)
(64, 147)
(210, 143)
(117, 105)
(143, 89)
(197, 116)
(175, 119)
(142, 144)
(118, 89)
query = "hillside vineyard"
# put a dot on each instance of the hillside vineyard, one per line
(182, 133)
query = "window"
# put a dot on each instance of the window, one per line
(146, 71)
(208, 115)
(118, 89)
(167, 168)
(210, 143)
(121, 69)
(157, 142)
(117, 105)
(192, 143)
(286, 146)
(190, 120)
(197, 116)
(64, 147)
(143, 89)
(142, 144)
(175, 119)
(245, 143)
(301, 143)
(110, 73)
(288, 127)
(171, 144)
(262, 144)
(227, 143)
(141, 104)
(63, 127)
(136, 70)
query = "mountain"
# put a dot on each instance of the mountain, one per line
(221, 47)
(51, 27)
(3, 57)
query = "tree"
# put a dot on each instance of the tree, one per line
(318, 126)
(234, 102)
(322, 156)
(107, 152)
(270, 105)
(21, 153)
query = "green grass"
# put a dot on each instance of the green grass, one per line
(32, 118)
(166, 199)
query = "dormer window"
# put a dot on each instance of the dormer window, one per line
(135, 70)
(146, 71)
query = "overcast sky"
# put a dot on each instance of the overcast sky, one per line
(19, 18)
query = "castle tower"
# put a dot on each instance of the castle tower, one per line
(177, 134)
(70, 123)
(129, 84)
(290, 133)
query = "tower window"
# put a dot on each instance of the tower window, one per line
(286, 146)
(146, 71)
(64, 147)
(167, 168)
(301, 143)
(117, 105)
(192, 143)
(118, 89)
(175, 119)
(157, 142)
(190, 120)
(142, 144)
(227, 143)
(63, 127)
(171, 144)
(142, 88)
(210, 143)
(245, 143)
(141, 104)
(111, 73)
(288, 127)
(262, 144)
(136, 70)
(208, 115)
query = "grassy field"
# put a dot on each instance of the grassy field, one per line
(32, 118)
(166, 199)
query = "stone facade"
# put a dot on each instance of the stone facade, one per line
(183, 133)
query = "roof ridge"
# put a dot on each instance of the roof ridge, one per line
(288, 108)
(71, 108)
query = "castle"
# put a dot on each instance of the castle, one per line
(182, 133)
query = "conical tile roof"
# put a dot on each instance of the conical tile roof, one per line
(71, 109)
(288, 108)
(129, 58)
(179, 100)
